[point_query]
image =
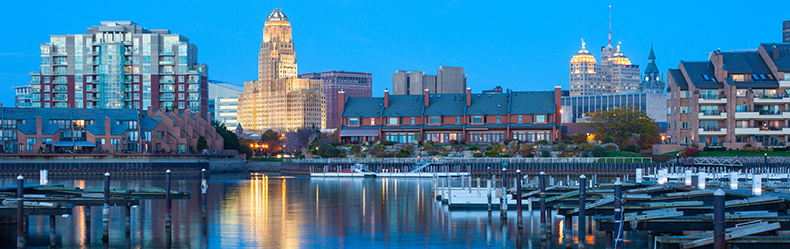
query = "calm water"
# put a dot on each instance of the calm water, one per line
(272, 211)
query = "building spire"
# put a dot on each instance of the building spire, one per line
(610, 25)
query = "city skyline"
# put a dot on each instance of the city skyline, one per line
(366, 42)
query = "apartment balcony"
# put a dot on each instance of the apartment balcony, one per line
(712, 99)
(60, 82)
(166, 89)
(59, 54)
(712, 115)
(60, 72)
(62, 63)
(127, 52)
(711, 130)
(60, 90)
(167, 53)
(35, 90)
(166, 72)
(162, 98)
(784, 84)
(193, 99)
(192, 89)
(762, 130)
(60, 99)
(166, 63)
(774, 99)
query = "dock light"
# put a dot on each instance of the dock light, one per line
(701, 183)
(638, 175)
(662, 176)
(687, 177)
(757, 184)
(734, 180)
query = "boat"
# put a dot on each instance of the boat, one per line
(358, 170)
(421, 170)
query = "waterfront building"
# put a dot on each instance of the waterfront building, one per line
(448, 80)
(121, 65)
(732, 100)
(447, 118)
(23, 96)
(651, 80)
(279, 100)
(354, 84)
(80, 130)
(575, 109)
(614, 75)
(223, 102)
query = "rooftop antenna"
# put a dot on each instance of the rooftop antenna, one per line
(610, 25)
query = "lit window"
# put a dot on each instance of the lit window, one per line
(540, 118)
(393, 121)
(477, 119)
(353, 121)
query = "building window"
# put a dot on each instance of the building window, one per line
(669, 110)
(435, 120)
(684, 94)
(684, 125)
(412, 121)
(372, 121)
(393, 121)
(741, 92)
(498, 121)
(477, 119)
(353, 121)
(520, 120)
(741, 108)
(457, 120)
(684, 110)
(540, 118)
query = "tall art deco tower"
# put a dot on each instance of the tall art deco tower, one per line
(278, 100)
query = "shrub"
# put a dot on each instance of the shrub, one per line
(403, 153)
(530, 155)
(477, 155)
(632, 148)
(301, 156)
(543, 142)
(428, 145)
(495, 147)
(473, 147)
(660, 158)
(341, 155)
(691, 151)
(526, 147)
(584, 146)
(453, 141)
(445, 154)
(694, 145)
(387, 142)
(433, 153)
(561, 147)
(598, 151)
(607, 140)
(491, 153)
(545, 153)
(611, 147)
(332, 152)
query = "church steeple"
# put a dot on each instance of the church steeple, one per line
(651, 81)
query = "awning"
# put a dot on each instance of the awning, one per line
(69, 144)
(359, 133)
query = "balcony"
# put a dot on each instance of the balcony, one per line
(166, 63)
(164, 98)
(59, 54)
(166, 53)
(166, 89)
(60, 63)
(762, 130)
(712, 130)
(60, 89)
(772, 99)
(784, 84)
(193, 89)
(60, 99)
(60, 72)
(712, 114)
(166, 72)
(712, 99)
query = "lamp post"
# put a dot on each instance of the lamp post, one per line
(765, 159)
(677, 158)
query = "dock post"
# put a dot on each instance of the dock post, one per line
(702, 176)
(542, 185)
(609, 239)
(718, 219)
(757, 184)
(488, 186)
(734, 180)
(469, 182)
(618, 214)
(203, 190)
(638, 175)
(52, 231)
(568, 231)
(449, 190)
(87, 210)
(687, 177)
(168, 204)
(20, 205)
(503, 199)
(518, 199)
(105, 211)
(128, 220)
(478, 186)
(582, 217)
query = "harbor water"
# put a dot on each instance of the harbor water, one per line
(273, 211)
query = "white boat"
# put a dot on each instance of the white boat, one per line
(418, 172)
(358, 170)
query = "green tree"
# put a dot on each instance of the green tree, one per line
(202, 144)
(579, 138)
(622, 124)
(230, 140)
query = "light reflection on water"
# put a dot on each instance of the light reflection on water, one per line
(272, 211)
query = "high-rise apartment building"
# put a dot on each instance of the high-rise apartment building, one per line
(223, 103)
(353, 84)
(279, 100)
(121, 65)
(786, 31)
(614, 75)
(23, 96)
(448, 80)
(732, 100)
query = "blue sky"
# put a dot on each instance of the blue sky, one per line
(522, 45)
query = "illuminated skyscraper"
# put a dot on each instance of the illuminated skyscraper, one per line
(278, 100)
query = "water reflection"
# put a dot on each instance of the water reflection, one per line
(272, 211)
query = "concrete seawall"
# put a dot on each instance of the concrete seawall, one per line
(119, 164)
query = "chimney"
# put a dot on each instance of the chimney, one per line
(557, 104)
(386, 98)
(775, 54)
(341, 104)
(468, 96)
(427, 97)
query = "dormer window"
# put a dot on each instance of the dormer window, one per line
(477, 119)
(393, 121)
(755, 77)
(706, 77)
(353, 121)
(762, 76)
(540, 118)
(435, 120)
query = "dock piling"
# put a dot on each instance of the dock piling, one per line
(105, 211)
(168, 204)
(718, 219)
(638, 175)
(702, 176)
(618, 214)
(52, 231)
(542, 185)
(734, 180)
(203, 190)
(518, 199)
(20, 225)
(582, 217)
(503, 198)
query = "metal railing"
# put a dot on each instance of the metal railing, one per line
(711, 112)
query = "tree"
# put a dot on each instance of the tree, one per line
(296, 140)
(622, 124)
(579, 138)
(231, 140)
(272, 139)
(202, 144)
